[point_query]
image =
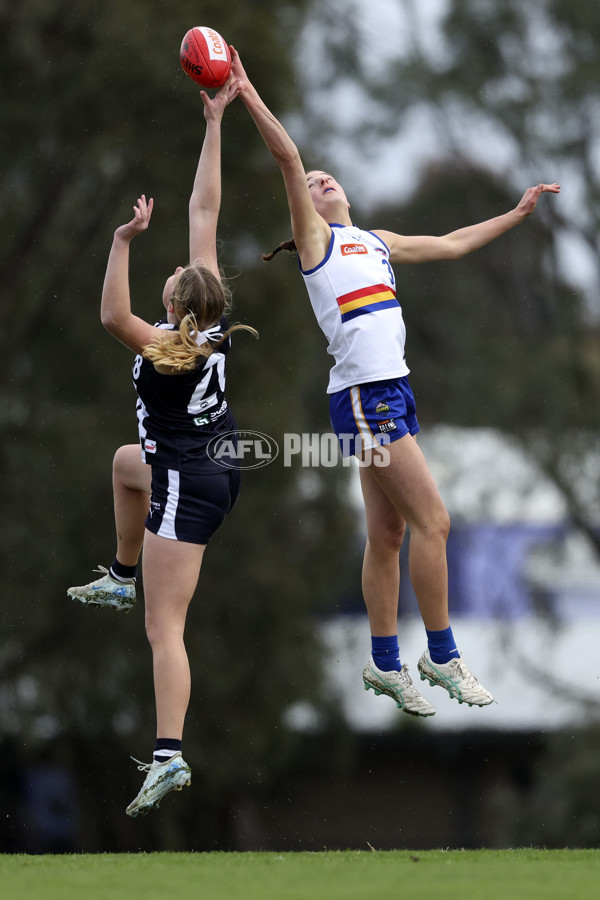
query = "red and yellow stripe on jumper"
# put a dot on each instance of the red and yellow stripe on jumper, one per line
(366, 300)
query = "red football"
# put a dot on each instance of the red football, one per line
(205, 57)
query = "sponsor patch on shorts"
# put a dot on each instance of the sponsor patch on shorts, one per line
(368, 412)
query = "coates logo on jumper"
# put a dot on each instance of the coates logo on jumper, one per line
(351, 249)
(243, 450)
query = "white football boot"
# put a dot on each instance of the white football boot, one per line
(398, 686)
(105, 591)
(171, 775)
(455, 677)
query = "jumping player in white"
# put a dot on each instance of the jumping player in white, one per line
(351, 285)
(174, 485)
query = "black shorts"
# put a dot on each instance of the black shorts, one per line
(189, 507)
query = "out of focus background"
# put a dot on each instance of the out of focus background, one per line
(433, 114)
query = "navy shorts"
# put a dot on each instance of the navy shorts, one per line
(190, 507)
(368, 415)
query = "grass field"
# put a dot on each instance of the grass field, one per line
(408, 875)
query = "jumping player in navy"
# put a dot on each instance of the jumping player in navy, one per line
(351, 286)
(175, 485)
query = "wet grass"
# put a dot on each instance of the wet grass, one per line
(526, 874)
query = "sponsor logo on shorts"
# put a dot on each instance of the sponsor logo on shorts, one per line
(352, 249)
(381, 408)
(243, 450)
(149, 446)
(201, 420)
(387, 425)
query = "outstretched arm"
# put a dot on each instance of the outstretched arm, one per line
(426, 248)
(205, 199)
(115, 311)
(311, 232)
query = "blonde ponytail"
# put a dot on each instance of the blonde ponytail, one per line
(179, 351)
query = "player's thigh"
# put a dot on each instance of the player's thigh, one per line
(409, 485)
(170, 570)
(384, 521)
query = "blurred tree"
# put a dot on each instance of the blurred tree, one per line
(97, 110)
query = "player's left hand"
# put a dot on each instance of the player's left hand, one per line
(531, 196)
(141, 219)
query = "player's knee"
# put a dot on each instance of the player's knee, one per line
(163, 631)
(159, 637)
(121, 465)
(129, 471)
(157, 627)
(388, 537)
(433, 524)
(153, 630)
(396, 535)
(119, 460)
(439, 524)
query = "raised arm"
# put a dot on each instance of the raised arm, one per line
(205, 199)
(311, 232)
(115, 310)
(426, 248)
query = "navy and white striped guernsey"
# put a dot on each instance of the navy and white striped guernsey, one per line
(178, 415)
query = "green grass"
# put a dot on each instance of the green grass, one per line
(407, 875)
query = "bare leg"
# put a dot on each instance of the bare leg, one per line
(381, 571)
(171, 570)
(405, 486)
(131, 494)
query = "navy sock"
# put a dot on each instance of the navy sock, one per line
(122, 573)
(164, 748)
(441, 645)
(386, 654)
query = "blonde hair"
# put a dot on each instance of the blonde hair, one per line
(200, 299)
